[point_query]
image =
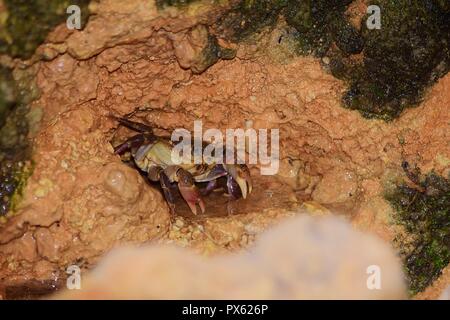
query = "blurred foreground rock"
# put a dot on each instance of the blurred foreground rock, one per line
(303, 258)
(446, 294)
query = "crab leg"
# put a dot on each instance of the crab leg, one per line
(241, 175)
(166, 186)
(131, 143)
(209, 188)
(157, 174)
(233, 187)
(136, 126)
(216, 172)
(186, 185)
(154, 173)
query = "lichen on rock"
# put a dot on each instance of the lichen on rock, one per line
(423, 208)
(26, 23)
(7, 93)
(409, 53)
(199, 49)
(177, 3)
(15, 150)
(397, 63)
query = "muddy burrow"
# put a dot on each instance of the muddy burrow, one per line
(168, 66)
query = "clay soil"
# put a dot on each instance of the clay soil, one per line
(82, 200)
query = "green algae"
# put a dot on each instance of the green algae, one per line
(173, 3)
(15, 148)
(24, 26)
(403, 58)
(399, 61)
(7, 93)
(26, 23)
(248, 17)
(423, 209)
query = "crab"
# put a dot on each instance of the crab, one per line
(152, 155)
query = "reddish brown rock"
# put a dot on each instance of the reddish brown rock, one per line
(125, 61)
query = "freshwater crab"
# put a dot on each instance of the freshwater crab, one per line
(152, 155)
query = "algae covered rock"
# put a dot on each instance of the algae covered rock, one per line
(248, 16)
(321, 23)
(399, 61)
(423, 208)
(7, 93)
(168, 3)
(19, 90)
(198, 49)
(26, 23)
(408, 53)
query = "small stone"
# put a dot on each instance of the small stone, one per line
(64, 164)
(179, 223)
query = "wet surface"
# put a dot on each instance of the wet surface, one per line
(265, 194)
(32, 289)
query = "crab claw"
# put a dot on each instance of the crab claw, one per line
(192, 198)
(241, 175)
(189, 191)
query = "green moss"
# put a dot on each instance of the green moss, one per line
(7, 93)
(318, 23)
(23, 27)
(409, 53)
(211, 54)
(20, 177)
(423, 208)
(173, 3)
(29, 21)
(13, 178)
(14, 152)
(321, 23)
(15, 149)
(399, 61)
(248, 17)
